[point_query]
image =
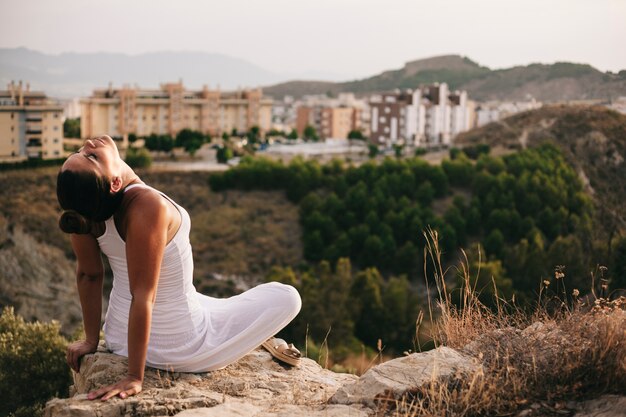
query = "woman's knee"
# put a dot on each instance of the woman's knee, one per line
(290, 299)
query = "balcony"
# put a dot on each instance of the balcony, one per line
(34, 143)
(33, 148)
(34, 117)
(33, 128)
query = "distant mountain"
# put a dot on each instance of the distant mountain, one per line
(73, 74)
(77, 74)
(545, 82)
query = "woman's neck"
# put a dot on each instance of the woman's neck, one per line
(130, 177)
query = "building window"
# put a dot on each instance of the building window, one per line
(12, 128)
(11, 115)
(56, 115)
(56, 152)
(56, 140)
(56, 128)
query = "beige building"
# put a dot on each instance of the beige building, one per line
(30, 124)
(329, 122)
(118, 112)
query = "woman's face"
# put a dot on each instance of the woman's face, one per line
(98, 155)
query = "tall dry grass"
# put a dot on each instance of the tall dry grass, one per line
(564, 349)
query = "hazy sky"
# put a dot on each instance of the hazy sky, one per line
(348, 38)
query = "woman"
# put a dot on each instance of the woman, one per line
(155, 316)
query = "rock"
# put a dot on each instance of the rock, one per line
(397, 376)
(256, 385)
(604, 406)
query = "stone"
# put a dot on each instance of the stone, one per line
(254, 385)
(397, 376)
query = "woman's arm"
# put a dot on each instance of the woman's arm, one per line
(146, 237)
(89, 277)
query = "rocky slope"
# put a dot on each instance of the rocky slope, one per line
(258, 386)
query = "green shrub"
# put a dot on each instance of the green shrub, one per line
(138, 158)
(32, 364)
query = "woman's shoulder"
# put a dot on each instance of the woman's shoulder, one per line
(144, 201)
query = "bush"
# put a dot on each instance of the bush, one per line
(32, 364)
(138, 158)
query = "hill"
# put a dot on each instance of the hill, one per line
(593, 139)
(546, 82)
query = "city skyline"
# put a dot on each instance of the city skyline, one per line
(335, 40)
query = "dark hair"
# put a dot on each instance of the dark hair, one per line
(86, 198)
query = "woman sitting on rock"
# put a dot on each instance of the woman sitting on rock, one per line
(155, 316)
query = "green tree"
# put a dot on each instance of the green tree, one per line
(254, 134)
(367, 307)
(310, 133)
(138, 158)
(223, 154)
(293, 135)
(356, 134)
(71, 128)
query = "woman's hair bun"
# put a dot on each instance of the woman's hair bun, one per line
(72, 222)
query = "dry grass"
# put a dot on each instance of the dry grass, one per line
(545, 357)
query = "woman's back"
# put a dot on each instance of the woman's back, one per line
(176, 313)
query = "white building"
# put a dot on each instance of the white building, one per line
(493, 111)
(429, 116)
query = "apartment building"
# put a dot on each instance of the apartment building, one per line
(329, 122)
(31, 124)
(427, 116)
(172, 108)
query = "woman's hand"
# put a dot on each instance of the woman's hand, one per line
(124, 388)
(77, 350)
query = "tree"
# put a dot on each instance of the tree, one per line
(71, 128)
(254, 134)
(224, 154)
(367, 306)
(192, 146)
(356, 134)
(310, 133)
(293, 135)
(138, 158)
(373, 151)
(398, 149)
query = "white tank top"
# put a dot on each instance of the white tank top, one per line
(176, 313)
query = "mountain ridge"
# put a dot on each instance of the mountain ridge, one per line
(71, 74)
(560, 81)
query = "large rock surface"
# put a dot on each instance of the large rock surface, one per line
(256, 385)
(392, 379)
(259, 386)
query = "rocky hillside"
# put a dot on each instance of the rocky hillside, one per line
(592, 138)
(545, 82)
